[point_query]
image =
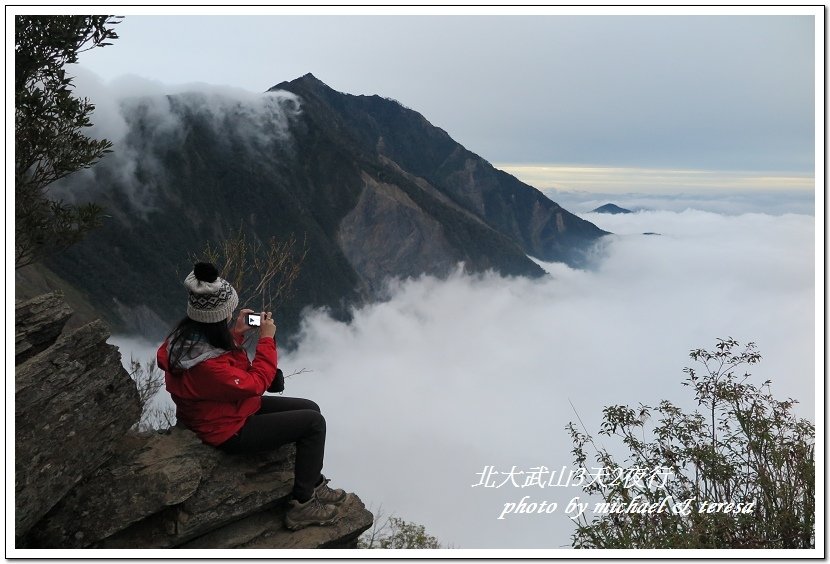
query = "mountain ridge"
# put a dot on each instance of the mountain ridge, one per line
(611, 209)
(372, 187)
(468, 179)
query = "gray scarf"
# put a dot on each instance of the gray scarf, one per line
(199, 352)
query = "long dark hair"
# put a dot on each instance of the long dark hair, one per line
(188, 332)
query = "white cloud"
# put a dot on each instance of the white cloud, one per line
(732, 202)
(142, 117)
(424, 390)
(622, 180)
(583, 188)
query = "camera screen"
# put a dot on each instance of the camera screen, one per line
(253, 320)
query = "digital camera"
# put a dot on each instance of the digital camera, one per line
(254, 319)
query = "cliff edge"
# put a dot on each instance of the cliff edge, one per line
(84, 479)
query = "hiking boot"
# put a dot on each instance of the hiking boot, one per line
(312, 512)
(328, 495)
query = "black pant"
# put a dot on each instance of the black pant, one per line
(280, 421)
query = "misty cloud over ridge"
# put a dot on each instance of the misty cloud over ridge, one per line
(445, 377)
(142, 118)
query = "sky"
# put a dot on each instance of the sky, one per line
(706, 125)
(712, 93)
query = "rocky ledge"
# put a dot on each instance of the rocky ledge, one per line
(84, 479)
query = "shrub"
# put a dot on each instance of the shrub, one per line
(741, 447)
(49, 139)
(394, 532)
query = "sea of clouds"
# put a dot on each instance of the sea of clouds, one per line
(720, 200)
(424, 390)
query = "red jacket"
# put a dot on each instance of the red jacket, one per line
(216, 396)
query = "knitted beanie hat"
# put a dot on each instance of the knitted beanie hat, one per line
(211, 299)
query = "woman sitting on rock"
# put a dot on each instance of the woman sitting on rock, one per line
(218, 393)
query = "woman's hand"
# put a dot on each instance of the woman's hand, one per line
(267, 327)
(241, 326)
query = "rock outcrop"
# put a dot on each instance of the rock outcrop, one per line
(73, 403)
(83, 479)
(37, 323)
